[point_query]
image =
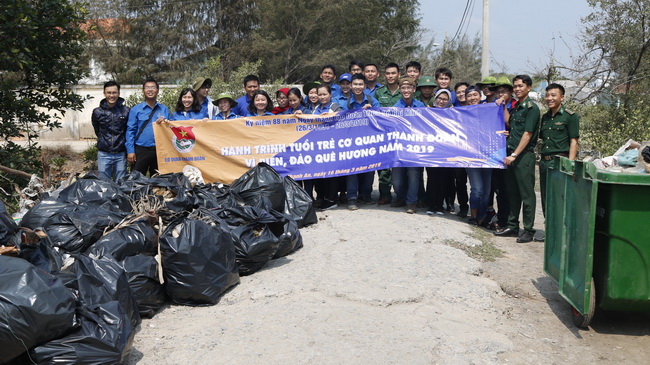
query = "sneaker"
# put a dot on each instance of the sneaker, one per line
(366, 200)
(524, 237)
(541, 238)
(473, 221)
(439, 212)
(353, 206)
(398, 204)
(430, 212)
(412, 208)
(462, 213)
(328, 204)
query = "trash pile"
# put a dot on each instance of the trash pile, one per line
(88, 261)
(633, 157)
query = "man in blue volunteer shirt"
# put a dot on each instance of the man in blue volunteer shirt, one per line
(345, 82)
(251, 85)
(140, 142)
(359, 186)
(327, 77)
(406, 180)
(371, 72)
(359, 97)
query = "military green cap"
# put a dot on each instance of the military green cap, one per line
(233, 103)
(200, 82)
(310, 85)
(501, 81)
(426, 81)
(488, 81)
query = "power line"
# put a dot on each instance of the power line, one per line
(462, 20)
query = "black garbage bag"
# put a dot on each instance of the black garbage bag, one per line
(95, 192)
(291, 239)
(34, 307)
(176, 197)
(143, 279)
(136, 238)
(256, 233)
(299, 204)
(198, 261)
(175, 178)
(214, 196)
(40, 253)
(261, 180)
(105, 337)
(42, 211)
(74, 230)
(100, 280)
(8, 227)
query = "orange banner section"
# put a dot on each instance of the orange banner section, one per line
(225, 149)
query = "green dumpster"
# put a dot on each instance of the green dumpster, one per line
(597, 244)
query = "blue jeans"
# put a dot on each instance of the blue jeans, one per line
(359, 185)
(111, 165)
(480, 181)
(406, 182)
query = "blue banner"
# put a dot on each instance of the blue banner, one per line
(364, 140)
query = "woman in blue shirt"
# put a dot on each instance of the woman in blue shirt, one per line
(261, 104)
(296, 105)
(187, 106)
(225, 103)
(325, 103)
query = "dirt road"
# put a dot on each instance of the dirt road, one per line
(378, 286)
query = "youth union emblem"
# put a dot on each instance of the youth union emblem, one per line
(184, 139)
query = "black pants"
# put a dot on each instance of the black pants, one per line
(437, 181)
(145, 160)
(457, 188)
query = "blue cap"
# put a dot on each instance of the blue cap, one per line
(345, 77)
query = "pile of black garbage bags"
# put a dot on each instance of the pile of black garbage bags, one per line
(94, 258)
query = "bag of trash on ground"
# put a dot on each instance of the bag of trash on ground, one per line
(99, 280)
(256, 234)
(142, 272)
(95, 192)
(298, 204)
(261, 180)
(34, 307)
(75, 228)
(198, 259)
(131, 238)
(105, 337)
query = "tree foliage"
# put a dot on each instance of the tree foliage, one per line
(462, 56)
(171, 39)
(615, 59)
(41, 59)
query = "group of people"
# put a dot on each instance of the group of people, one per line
(126, 135)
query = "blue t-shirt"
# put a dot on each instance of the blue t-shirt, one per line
(183, 115)
(414, 104)
(231, 115)
(353, 104)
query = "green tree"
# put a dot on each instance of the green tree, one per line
(171, 40)
(41, 42)
(462, 56)
(616, 61)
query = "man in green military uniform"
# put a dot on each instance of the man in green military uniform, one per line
(387, 96)
(427, 88)
(520, 176)
(559, 133)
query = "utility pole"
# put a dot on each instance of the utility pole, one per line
(485, 47)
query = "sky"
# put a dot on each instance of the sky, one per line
(522, 32)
